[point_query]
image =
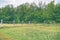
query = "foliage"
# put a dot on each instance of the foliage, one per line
(31, 12)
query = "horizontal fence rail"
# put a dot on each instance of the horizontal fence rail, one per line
(23, 23)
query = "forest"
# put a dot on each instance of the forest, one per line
(48, 13)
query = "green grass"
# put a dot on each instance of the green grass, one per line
(32, 33)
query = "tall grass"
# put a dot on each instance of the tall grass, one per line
(32, 33)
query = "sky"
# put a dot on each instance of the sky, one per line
(15, 3)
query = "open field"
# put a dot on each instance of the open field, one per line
(30, 32)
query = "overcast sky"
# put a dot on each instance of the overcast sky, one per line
(18, 2)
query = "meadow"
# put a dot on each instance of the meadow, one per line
(30, 32)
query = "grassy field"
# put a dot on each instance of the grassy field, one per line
(30, 32)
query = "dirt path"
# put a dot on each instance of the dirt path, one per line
(4, 37)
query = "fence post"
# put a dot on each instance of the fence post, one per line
(29, 22)
(1, 21)
(13, 22)
(22, 23)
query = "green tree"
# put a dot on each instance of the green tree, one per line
(48, 12)
(57, 13)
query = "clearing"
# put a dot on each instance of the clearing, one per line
(30, 32)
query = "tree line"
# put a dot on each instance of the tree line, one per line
(31, 12)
